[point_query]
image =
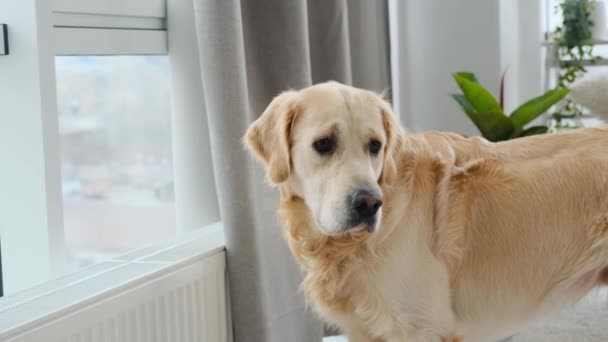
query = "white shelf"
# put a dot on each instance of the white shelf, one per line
(593, 42)
(552, 62)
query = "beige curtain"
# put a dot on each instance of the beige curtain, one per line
(250, 51)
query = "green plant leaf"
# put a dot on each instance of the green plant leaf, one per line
(536, 106)
(534, 130)
(468, 75)
(494, 126)
(501, 97)
(478, 96)
(465, 105)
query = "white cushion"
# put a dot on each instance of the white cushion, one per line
(591, 91)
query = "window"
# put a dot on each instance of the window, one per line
(98, 158)
(115, 147)
(552, 19)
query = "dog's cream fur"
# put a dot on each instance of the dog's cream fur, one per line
(475, 240)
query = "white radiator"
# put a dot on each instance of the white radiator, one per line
(173, 295)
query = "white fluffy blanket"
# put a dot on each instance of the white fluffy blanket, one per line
(591, 91)
(586, 322)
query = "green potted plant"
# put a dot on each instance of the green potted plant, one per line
(574, 49)
(488, 114)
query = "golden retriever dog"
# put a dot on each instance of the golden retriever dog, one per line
(431, 236)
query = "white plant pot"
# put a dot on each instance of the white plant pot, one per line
(598, 16)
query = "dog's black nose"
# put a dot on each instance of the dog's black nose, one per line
(365, 203)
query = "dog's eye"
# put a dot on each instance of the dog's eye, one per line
(324, 146)
(374, 147)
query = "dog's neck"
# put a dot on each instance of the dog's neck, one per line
(327, 261)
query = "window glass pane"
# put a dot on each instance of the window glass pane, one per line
(114, 122)
(555, 17)
(554, 14)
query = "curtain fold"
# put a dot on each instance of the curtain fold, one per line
(249, 52)
(329, 41)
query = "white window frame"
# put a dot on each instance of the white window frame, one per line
(31, 226)
(133, 8)
(110, 27)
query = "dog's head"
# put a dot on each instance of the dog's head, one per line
(333, 146)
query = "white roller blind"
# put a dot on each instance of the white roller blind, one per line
(110, 27)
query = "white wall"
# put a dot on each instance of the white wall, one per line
(432, 39)
(521, 38)
(531, 36)
(195, 193)
(31, 223)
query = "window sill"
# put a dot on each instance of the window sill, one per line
(92, 284)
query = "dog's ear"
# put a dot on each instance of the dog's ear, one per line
(268, 137)
(393, 142)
